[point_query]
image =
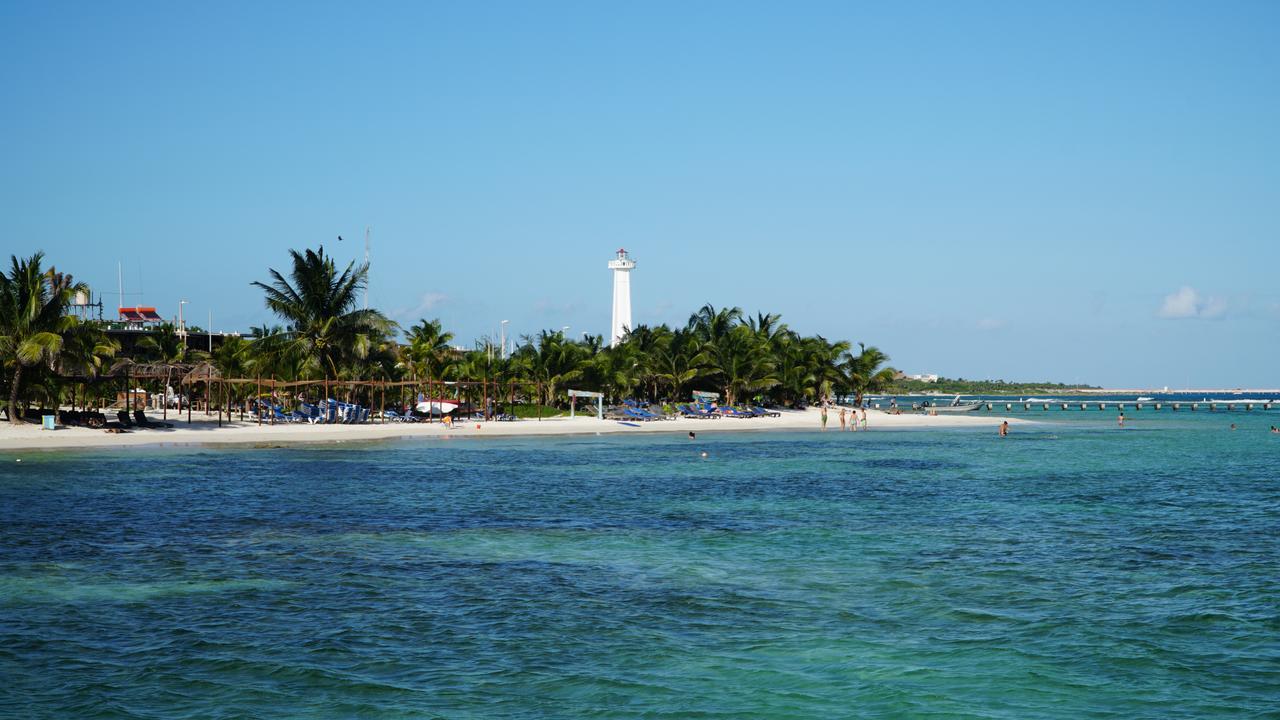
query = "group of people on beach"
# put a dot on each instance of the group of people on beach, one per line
(849, 418)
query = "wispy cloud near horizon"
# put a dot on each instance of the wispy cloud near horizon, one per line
(1185, 302)
(427, 302)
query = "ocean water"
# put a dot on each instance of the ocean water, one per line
(1072, 570)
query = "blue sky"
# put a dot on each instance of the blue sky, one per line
(1068, 191)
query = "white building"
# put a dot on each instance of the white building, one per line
(924, 378)
(621, 267)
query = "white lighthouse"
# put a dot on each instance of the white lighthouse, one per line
(621, 267)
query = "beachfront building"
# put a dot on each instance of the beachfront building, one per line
(621, 267)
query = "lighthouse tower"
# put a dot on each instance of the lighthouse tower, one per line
(621, 267)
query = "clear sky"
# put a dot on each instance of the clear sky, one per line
(1069, 191)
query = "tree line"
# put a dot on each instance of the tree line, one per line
(323, 334)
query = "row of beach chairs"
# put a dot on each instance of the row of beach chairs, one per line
(707, 411)
(327, 412)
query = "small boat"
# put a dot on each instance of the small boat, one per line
(437, 406)
(955, 406)
(1145, 399)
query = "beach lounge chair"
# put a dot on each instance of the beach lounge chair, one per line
(634, 414)
(765, 413)
(125, 420)
(694, 411)
(141, 420)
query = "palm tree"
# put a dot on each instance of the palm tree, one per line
(741, 364)
(323, 327)
(550, 361)
(863, 371)
(796, 377)
(678, 362)
(824, 361)
(35, 327)
(711, 325)
(428, 351)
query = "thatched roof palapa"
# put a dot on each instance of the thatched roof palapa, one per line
(202, 372)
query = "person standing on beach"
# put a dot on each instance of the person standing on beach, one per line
(824, 417)
(1004, 429)
(844, 416)
(864, 418)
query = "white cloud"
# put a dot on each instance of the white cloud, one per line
(1185, 302)
(990, 324)
(428, 302)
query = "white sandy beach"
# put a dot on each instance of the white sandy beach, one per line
(205, 431)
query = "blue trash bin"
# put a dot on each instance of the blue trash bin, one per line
(46, 422)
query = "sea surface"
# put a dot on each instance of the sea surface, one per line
(1072, 570)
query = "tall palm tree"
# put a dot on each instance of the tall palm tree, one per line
(551, 361)
(797, 380)
(710, 325)
(35, 326)
(428, 351)
(864, 373)
(740, 364)
(824, 360)
(678, 362)
(324, 328)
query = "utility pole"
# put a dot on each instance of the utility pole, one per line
(367, 230)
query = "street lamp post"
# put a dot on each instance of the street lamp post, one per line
(503, 330)
(182, 324)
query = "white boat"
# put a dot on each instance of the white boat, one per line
(955, 406)
(1040, 400)
(1145, 399)
(436, 406)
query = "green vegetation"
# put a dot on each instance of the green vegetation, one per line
(40, 343)
(324, 338)
(960, 386)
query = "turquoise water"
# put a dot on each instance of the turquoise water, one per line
(1072, 570)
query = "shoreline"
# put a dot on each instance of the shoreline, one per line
(206, 433)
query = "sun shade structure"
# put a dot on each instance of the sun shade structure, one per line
(204, 372)
(587, 394)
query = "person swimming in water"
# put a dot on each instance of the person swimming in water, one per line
(1121, 419)
(1004, 429)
